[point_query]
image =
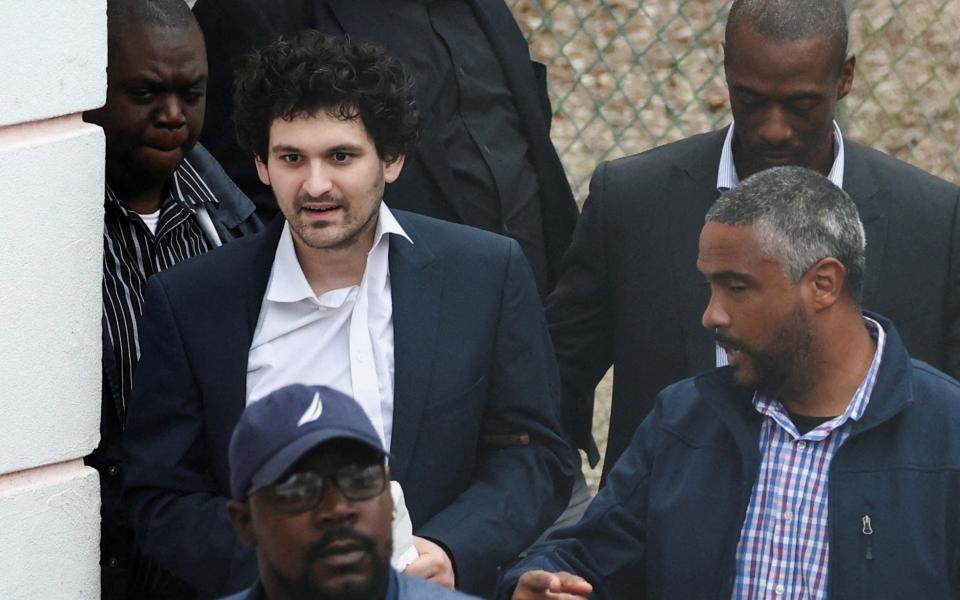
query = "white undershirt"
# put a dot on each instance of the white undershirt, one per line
(342, 338)
(151, 220)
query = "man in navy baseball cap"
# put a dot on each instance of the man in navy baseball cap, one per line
(310, 492)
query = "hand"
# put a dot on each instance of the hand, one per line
(433, 564)
(557, 586)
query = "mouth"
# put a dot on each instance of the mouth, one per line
(342, 553)
(166, 142)
(778, 158)
(321, 210)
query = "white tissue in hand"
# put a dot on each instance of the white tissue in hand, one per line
(404, 551)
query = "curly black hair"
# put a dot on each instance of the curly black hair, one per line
(314, 71)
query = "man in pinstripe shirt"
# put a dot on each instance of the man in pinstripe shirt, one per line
(167, 200)
(822, 462)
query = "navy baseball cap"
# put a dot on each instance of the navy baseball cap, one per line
(276, 431)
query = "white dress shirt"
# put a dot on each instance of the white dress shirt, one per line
(342, 338)
(728, 179)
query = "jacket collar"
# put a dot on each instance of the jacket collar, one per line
(891, 394)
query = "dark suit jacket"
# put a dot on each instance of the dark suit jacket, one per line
(630, 294)
(426, 186)
(471, 344)
(233, 218)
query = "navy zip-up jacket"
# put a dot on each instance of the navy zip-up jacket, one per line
(667, 524)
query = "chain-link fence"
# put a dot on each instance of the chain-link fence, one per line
(628, 75)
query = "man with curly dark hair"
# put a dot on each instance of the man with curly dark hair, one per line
(436, 329)
(484, 158)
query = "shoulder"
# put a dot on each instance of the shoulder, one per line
(693, 405)
(222, 270)
(896, 175)
(938, 390)
(691, 151)
(452, 240)
(414, 588)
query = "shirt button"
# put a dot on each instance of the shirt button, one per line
(787, 516)
(462, 72)
(113, 563)
(112, 470)
(801, 445)
(778, 590)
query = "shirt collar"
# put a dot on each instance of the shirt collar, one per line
(185, 187)
(728, 179)
(287, 281)
(772, 407)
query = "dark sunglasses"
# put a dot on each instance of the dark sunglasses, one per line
(304, 491)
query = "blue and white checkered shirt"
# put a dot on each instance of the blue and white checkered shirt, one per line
(784, 544)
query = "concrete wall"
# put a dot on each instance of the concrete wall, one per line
(51, 221)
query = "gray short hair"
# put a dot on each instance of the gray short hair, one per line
(800, 218)
(792, 20)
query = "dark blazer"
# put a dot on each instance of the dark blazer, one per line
(233, 218)
(426, 186)
(471, 345)
(668, 522)
(631, 296)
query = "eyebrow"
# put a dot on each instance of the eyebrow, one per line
(808, 95)
(278, 148)
(728, 276)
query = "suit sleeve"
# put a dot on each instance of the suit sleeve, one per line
(952, 362)
(580, 316)
(607, 547)
(516, 490)
(179, 518)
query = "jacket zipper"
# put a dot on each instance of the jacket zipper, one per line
(867, 530)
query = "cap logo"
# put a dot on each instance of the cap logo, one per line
(313, 411)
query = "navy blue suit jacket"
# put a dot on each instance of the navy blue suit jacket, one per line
(471, 345)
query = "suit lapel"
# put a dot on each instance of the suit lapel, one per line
(694, 188)
(416, 285)
(860, 183)
(239, 308)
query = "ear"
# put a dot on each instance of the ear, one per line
(825, 282)
(239, 513)
(846, 76)
(392, 167)
(262, 170)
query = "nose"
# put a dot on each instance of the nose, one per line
(334, 508)
(317, 182)
(775, 129)
(170, 114)
(714, 316)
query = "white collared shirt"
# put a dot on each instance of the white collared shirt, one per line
(728, 179)
(342, 338)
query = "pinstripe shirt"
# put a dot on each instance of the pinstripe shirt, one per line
(784, 544)
(131, 254)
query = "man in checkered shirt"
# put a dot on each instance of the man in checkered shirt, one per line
(822, 462)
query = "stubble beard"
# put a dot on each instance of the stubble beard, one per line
(351, 235)
(306, 588)
(789, 367)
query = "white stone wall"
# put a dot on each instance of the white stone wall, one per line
(51, 201)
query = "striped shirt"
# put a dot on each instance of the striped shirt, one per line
(131, 253)
(784, 544)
